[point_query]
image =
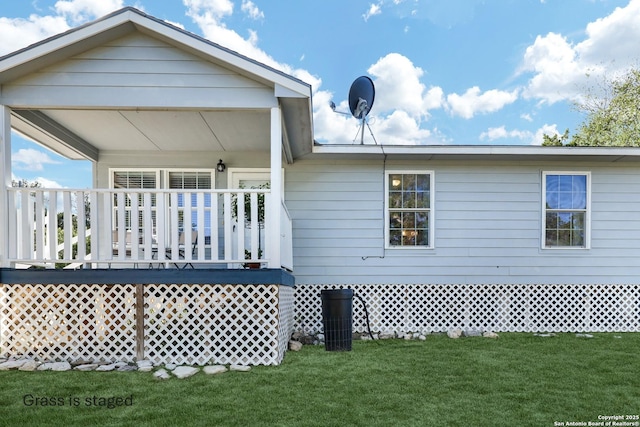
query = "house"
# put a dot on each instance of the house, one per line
(204, 162)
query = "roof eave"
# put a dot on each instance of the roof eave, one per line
(481, 152)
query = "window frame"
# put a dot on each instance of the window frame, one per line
(430, 210)
(586, 210)
(162, 178)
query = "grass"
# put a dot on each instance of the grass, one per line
(518, 380)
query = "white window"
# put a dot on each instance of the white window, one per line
(566, 209)
(409, 209)
(175, 179)
(192, 180)
(134, 179)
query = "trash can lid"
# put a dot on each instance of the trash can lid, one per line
(337, 293)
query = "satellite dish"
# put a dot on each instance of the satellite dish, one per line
(361, 97)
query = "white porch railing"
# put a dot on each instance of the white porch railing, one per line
(143, 227)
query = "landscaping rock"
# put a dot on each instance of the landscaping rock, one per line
(106, 368)
(408, 336)
(80, 362)
(29, 365)
(454, 333)
(240, 368)
(170, 366)
(472, 333)
(55, 366)
(162, 374)
(144, 365)
(489, 334)
(422, 337)
(544, 335)
(584, 336)
(387, 335)
(87, 367)
(127, 368)
(295, 345)
(214, 369)
(185, 371)
(12, 364)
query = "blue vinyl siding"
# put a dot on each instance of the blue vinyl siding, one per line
(488, 225)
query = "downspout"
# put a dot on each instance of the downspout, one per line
(5, 177)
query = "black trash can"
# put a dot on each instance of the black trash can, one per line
(337, 313)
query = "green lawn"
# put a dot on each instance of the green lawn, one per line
(518, 380)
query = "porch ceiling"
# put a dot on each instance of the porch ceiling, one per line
(78, 133)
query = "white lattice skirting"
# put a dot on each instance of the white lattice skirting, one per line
(190, 324)
(498, 308)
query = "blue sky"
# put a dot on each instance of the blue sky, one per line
(446, 72)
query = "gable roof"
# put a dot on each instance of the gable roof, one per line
(293, 95)
(122, 22)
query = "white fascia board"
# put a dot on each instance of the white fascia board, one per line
(612, 153)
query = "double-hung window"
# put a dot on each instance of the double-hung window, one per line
(409, 209)
(193, 180)
(566, 210)
(135, 180)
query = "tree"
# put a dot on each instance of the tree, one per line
(612, 115)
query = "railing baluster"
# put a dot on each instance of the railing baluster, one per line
(214, 227)
(68, 224)
(255, 228)
(200, 225)
(228, 230)
(173, 226)
(52, 225)
(134, 233)
(81, 221)
(39, 213)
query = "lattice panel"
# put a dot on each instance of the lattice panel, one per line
(68, 322)
(285, 320)
(498, 308)
(380, 301)
(201, 324)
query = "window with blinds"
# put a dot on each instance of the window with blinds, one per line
(134, 179)
(192, 180)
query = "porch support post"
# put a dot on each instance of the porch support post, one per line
(273, 237)
(5, 180)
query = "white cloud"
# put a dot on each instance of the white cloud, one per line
(560, 67)
(526, 116)
(79, 11)
(251, 10)
(209, 14)
(501, 132)
(473, 101)
(47, 183)
(31, 159)
(374, 9)
(544, 130)
(493, 134)
(398, 87)
(403, 129)
(17, 33)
